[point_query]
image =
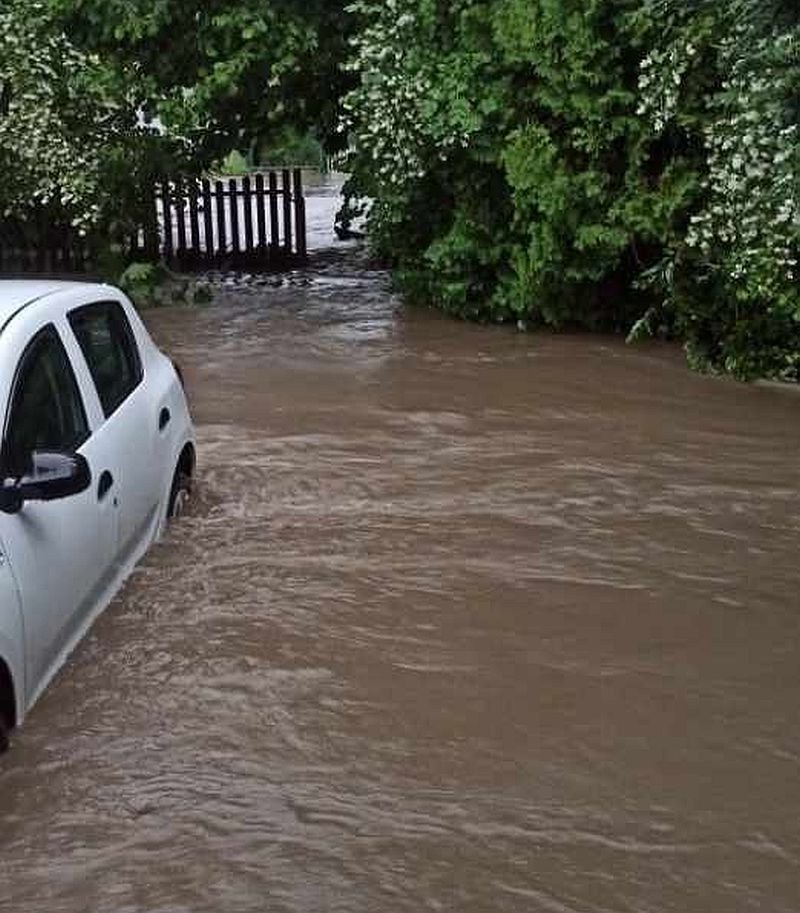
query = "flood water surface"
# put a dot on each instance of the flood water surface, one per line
(459, 619)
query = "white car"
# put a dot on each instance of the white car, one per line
(97, 453)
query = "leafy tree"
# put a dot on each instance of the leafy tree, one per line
(220, 74)
(55, 119)
(73, 149)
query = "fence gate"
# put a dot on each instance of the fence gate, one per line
(253, 221)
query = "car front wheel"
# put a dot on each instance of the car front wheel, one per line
(179, 493)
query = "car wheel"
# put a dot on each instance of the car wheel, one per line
(179, 494)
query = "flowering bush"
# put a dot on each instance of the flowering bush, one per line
(731, 278)
(50, 146)
(419, 105)
(547, 162)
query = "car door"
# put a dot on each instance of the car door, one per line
(112, 356)
(62, 551)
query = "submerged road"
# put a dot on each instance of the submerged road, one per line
(460, 619)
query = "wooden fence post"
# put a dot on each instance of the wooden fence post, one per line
(194, 220)
(261, 216)
(222, 245)
(287, 210)
(208, 222)
(273, 211)
(180, 216)
(299, 214)
(233, 190)
(166, 210)
(248, 217)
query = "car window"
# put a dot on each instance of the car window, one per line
(46, 411)
(107, 343)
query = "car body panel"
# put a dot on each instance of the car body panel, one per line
(12, 631)
(67, 558)
(18, 294)
(77, 536)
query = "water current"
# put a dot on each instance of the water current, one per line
(460, 619)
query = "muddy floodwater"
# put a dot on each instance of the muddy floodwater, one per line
(460, 619)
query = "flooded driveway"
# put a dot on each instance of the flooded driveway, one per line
(460, 620)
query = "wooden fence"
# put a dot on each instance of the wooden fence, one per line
(42, 244)
(257, 222)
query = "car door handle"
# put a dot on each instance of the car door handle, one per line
(163, 419)
(104, 485)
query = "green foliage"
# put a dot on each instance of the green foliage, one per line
(99, 97)
(56, 121)
(527, 152)
(220, 74)
(291, 149)
(561, 162)
(71, 140)
(152, 285)
(233, 164)
(625, 164)
(731, 288)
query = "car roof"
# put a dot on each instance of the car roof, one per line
(16, 294)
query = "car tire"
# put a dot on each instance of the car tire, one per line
(179, 494)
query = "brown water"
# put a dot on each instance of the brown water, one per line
(460, 620)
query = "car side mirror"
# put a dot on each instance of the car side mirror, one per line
(51, 476)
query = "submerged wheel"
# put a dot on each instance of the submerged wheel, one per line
(179, 493)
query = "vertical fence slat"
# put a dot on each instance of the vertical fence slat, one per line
(299, 213)
(166, 214)
(273, 210)
(194, 219)
(151, 243)
(222, 244)
(287, 210)
(208, 221)
(261, 215)
(248, 216)
(180, 215)
(233, 204)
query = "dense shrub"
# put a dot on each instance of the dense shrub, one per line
(607, 163)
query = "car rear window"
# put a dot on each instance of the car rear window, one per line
(110, 350)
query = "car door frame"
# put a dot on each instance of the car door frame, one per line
(137, 469)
